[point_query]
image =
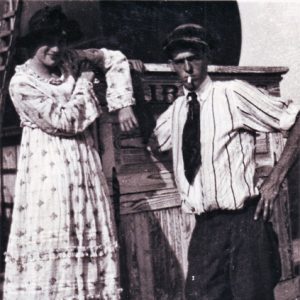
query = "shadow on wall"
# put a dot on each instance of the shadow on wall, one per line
(139, 28)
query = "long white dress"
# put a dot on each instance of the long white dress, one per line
(63, 241)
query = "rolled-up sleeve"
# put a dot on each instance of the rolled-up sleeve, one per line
(257, 110)
(163, 130)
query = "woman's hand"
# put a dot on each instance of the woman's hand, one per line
(86, 70)
(88, 75)
(127, 119)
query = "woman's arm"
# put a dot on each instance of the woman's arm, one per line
(48, 114)
(119, 93)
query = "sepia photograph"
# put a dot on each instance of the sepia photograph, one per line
(149, 150)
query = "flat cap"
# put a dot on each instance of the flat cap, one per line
(186, 36)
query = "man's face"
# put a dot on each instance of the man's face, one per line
(190, 63)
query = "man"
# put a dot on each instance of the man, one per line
(233, 253)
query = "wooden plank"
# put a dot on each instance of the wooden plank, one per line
(9, 187)
(9, 14)
(144, 254)
(9, 157)
(146, 203)
(281, 218)
(145, 181)
(262, 144)
(288, 290)
(168, 274)
(161, 257)
(5, 33)
(175, 268)
(152, 67)
(4, 49)
(281, 226)
(158, 253)
(1, 196)
(296, 251)
(127, 227)
(106, 146)
(18, 153)
(8, 194)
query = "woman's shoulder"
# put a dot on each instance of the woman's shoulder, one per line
(20, 77)
(22, 72)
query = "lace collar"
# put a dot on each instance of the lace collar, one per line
(25, 68)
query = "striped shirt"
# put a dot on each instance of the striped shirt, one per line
(231, 112)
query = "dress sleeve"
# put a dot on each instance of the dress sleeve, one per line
(163, 130)
(119, 92)
(48, 114)
(258, 111)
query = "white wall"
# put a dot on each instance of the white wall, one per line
(271, 37)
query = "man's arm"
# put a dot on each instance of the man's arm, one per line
(271, 185)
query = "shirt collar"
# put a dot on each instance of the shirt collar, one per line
(203, 90)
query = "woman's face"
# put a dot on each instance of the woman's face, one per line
(50, 51)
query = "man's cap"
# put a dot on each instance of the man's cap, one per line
(50, 20)
(186, 36)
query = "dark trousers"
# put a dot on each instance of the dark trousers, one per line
(231, 256)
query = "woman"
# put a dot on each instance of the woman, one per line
(62, 242)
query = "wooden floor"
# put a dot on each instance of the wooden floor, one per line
(289, 290)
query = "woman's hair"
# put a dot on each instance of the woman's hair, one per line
(47, 23)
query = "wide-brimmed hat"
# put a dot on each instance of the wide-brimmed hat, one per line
(187, 36)
(50, 20)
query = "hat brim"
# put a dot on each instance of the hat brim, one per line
(70, 30)
(184, 43)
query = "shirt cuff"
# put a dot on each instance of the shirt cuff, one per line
(120, 101)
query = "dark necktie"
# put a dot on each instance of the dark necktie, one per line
(191, 149)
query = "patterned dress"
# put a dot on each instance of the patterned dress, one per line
(63, 242)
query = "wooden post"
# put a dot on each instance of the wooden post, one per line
(8, 34)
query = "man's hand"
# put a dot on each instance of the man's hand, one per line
(127, 119)
(269, 192)
(137, 65)
(152, 145)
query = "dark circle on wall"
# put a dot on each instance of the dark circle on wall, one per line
(139, 28)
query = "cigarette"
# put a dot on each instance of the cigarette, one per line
(189, 80)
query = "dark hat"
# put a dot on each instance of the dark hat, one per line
(50, 20)
(187, 36)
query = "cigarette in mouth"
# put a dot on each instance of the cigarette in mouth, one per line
(189, 80)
